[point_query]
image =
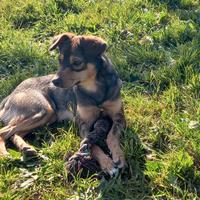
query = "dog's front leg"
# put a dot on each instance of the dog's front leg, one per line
(115, 110)
(113, 139)
(105, 161)
(86, 116)
(83, 127)
(84, 120)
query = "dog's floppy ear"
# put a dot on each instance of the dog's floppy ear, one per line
(59, 40)
(92, 46)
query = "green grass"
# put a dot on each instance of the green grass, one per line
(155, 46)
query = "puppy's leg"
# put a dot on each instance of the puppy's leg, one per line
(46, 115)
(105, 162)
(22, 145)
(87, 116)
(3, 151)
(18, 125)
(115, 110)
(113, 142)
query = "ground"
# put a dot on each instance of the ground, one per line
(155, 46)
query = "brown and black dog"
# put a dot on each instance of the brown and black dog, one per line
(97, 89)
(96, 85)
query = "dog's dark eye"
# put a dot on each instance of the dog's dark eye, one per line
(78, 65)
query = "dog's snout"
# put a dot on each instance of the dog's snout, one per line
(57, 82)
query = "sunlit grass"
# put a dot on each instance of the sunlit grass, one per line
(155, 46)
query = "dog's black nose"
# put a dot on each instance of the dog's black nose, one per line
(57, 82)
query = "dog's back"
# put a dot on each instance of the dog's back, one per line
(31, 97)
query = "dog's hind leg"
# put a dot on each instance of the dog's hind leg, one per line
(27, 124)
(3, 151)
(18, 126)
(24, 147)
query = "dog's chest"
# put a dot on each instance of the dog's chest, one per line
(87, 98)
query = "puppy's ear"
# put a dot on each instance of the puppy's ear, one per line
(59, 40)
(92, 46)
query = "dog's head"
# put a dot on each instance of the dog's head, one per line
(77, 57)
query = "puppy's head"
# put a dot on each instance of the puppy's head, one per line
(77, 57)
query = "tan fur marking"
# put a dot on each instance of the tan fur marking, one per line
(20, 96)
(112, 107)
(3, 151)
(88, 114)
(67, 77)
(90, 83)
(2, 112)
(114, 146)
(105, 162)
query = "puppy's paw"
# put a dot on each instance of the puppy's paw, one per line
(29, 151)
(119, 160)
(108, 166)
(114, 172)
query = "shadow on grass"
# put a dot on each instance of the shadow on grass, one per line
(176, 4)
(39, 138)
(132, 182)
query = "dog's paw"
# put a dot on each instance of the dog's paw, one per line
(119, 160)
(114, 172)
(29, 151)
(108, 167)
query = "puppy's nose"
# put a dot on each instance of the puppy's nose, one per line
(57, 82)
